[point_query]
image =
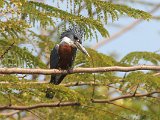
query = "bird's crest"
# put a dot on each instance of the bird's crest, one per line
(76, 31)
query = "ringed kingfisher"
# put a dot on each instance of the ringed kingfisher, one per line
(63, 54)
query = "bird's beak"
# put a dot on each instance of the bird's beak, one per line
(81, 48)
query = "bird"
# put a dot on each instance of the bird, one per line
(63, 54)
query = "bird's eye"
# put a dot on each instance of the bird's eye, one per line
(75, 38)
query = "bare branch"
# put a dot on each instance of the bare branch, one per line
(76, 70)
(57, 104)
(61, 104)
(157, 74)
(10, 113)
(125, 96)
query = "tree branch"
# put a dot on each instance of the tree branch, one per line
(124, 97)
(76, 70)
(61, 104)
(9, 113)
(157, 74)
(57, 104)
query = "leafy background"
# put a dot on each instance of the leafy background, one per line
(28, 32)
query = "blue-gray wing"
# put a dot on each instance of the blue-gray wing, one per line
(54, 61)
(54, 57)
(73, 58)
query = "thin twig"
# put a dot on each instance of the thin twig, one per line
(94, 78)
(135, 90)
(124, 97)
(157, 74)
(10, 113)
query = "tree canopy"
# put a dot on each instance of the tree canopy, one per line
(29, 30)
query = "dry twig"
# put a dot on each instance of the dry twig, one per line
(125, 96)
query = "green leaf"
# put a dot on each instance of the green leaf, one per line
(135, 58)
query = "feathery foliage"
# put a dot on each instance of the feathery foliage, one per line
(8, 29)
(134, 58)
(150, 81)
(32, 12)
(18, 57)
(105, 9)
(26, 41)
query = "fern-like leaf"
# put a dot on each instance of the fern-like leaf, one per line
(31, 8)
(18, 57)
(12, 28)
(135, 58)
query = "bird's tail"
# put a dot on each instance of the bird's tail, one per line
(55, 79)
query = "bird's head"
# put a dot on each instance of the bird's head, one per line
(73, 37)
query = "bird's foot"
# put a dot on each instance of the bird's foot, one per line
(69, 71)
(49, 93)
